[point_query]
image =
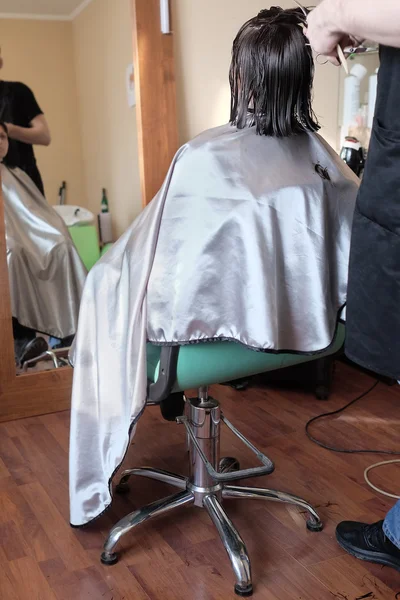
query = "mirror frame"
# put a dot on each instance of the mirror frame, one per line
(30, 394)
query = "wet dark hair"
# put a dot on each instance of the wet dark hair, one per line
(4, 127)
(271, 75)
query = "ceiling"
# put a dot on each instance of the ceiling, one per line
(63, 9)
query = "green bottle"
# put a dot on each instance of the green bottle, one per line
(104, 202)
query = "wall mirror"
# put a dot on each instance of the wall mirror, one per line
(357, 95)
(77, 60)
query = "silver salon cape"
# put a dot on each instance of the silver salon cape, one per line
(247, 240)
(45, 272)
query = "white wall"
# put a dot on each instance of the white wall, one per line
(39, 53)
(103, 48)
(77, 72)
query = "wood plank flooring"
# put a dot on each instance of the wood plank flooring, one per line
(179, 557)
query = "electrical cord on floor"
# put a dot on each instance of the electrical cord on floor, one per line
(355, 451)
(374, 487)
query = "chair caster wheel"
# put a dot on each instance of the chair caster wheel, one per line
(109, 559)
(314, 527)
(322, 392)
(228, 464)
(173, 406)
(239, 384)
(122, 487)
(244, 592)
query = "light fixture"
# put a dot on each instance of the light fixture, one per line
(164, 13)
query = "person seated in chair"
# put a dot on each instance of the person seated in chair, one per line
(45, 272)
(247, 240)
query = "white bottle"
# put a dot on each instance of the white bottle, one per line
(373, 83)
(351, 100)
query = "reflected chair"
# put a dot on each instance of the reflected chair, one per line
(211, 480)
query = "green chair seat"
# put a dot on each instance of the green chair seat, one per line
(86, 241)
(219, 362)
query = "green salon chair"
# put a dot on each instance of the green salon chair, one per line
(212, 480)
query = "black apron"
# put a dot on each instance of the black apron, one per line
(12, 110)
(373, 305)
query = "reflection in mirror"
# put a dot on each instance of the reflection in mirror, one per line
(69, 153)
(357, 97)
(46, 273)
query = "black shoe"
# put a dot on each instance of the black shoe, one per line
(32, 349)
(368, 542)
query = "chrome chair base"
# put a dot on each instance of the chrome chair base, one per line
(59, 358)
(207, 486)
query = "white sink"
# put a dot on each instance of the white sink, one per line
(75, 215)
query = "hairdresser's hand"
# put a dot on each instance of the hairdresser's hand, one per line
(323, 31)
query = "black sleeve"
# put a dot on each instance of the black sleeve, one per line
(28, 107)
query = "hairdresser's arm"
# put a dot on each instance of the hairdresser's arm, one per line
(334, 20)
(38, 133)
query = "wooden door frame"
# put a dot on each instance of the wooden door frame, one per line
(156, 96)
(50, 391)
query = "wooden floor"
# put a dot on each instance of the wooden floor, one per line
(179, 557)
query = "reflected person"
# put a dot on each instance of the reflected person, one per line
(45, 271)
(27, 126)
